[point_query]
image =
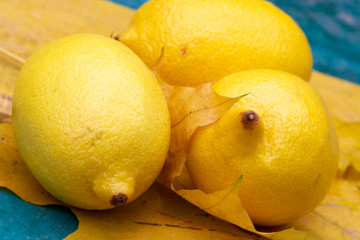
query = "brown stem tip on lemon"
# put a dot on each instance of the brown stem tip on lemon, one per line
(279, 138)
(119, 199)
(91, 121)
(249, 119)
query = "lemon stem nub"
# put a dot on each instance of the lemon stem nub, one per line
(249, 119)
(119, 199)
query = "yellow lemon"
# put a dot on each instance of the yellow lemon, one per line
(91, 121)
(195, 41)
(278, 137)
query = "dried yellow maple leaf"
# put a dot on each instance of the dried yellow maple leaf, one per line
(349, 142)
(157, 214)
(190, 108)
(9, 67)
(15, 176)
(226, 201)
(342, 99)
(338, 216)
(335, 218)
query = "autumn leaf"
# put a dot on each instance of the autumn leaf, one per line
(157, 214)
(338, 216)
(341, 97)
(6, 135)
(349, 142)
(226, 201)
(9, 67)
(190, 107)
(15, 176)
(335, 218)
(218, 203)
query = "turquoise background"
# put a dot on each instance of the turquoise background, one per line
(333, 30)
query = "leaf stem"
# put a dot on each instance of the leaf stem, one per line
(12, 56)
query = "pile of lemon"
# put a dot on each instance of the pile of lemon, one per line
(93, 126)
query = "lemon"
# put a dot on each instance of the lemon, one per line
(91, 121)
(278, 137)
(194, 41)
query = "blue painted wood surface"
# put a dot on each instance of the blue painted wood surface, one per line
(333, 30)
(21, 220)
